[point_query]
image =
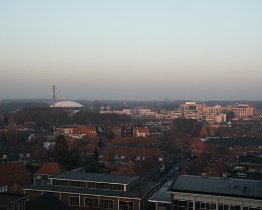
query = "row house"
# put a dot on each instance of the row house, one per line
(87, 132)
(89, 190)
(79, 132)
(238, 145)
(115, 155)
(253, 163)
(64, 131)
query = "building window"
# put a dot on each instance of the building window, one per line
(74, 201)
(106, 204)
(235, 207)
(223, 207)
(91, 202)
(183, 205)
(126, 205)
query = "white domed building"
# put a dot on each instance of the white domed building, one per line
(67, 105)
(71, 106)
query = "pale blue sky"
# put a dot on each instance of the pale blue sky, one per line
(115, 49)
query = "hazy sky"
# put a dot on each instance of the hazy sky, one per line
(120, 49)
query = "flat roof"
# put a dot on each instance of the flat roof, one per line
(95, 177)
(163, 195)
(144, 188)
(218, 186)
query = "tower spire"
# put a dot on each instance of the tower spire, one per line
(54, 89)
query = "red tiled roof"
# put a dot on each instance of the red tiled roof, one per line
(130, 153)
(142, 130)
(50, 168)
(87, 130)
(14, 172)
(16, 188)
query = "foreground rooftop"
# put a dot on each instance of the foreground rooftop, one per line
(95, 177)
(218, 186)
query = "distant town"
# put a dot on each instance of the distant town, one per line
(130, 155)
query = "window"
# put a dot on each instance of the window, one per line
(183, 205)
(126, 205)
(91, 202)
(74, 201)
(205, 206)
(106, 204)
(223, 207)
(235, 207)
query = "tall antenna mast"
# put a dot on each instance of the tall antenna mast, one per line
(54, 89)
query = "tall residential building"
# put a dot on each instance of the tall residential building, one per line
(192, 110)
(241, 110)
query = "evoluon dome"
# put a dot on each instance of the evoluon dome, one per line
(67, 104)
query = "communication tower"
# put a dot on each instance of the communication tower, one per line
(54, 89)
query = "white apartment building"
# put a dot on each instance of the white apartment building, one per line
(194, 110)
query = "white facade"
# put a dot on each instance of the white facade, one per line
(194, 201)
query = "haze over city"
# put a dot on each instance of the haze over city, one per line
(131, 50)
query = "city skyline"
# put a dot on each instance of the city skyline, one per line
(150, 50)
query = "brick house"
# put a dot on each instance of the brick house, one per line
(13, 174)
(142, 132)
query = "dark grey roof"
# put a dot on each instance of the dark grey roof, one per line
(8, 198)
(144, 187)
(163, 195)
(219, 186)
(94, 177)
(237, 141)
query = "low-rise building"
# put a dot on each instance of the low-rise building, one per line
(89, 190)
(215, 193)
(127, 131)
(142, 132)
